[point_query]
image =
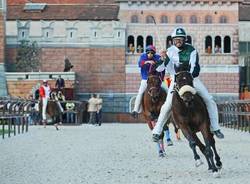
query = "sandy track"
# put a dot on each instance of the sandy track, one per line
(114, 154)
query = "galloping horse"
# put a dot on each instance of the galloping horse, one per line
(191, 116)
(53, 110)
(153, 98)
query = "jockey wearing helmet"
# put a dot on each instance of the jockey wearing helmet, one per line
(145, 61)
(44, 92)
(184, 53)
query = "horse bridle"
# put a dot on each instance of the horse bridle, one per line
(177, 87)
(153, 87)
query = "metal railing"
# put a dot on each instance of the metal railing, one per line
(14, 114)
(235, 114)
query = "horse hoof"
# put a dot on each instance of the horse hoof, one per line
(216, 174)
(170, 143)
(219, 166)
(198, 163)
(162, 155)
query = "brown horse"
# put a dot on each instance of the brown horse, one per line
(191, 116)
(53, 110)
(153, 98)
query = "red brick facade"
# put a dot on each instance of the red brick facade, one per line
(99, 70)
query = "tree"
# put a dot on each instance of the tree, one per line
(28, 57)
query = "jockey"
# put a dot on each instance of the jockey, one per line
(44, 92)
(146, 60)
(184, 53)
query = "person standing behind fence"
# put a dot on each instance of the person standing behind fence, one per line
(44, 92)
(60, 84)
(92, 109)
(99, 110)
(70, 107)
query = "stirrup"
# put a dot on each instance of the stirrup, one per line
(135, 114)
(155, 138)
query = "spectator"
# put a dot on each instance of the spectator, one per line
(139, 49)
(60, 84)
(131, 48)
(217, 49)
(99, 110)
(92, 109)
(70, 107)
(209, 50)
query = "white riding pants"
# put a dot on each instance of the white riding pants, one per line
(143, 87)
(203, 92)
(45, 102)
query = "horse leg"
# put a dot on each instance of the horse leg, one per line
(161, 149)
(217, 157)
(191, 139)
(167, 133)
(208, 151)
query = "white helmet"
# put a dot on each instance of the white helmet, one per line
(45, 81)
(179, 32)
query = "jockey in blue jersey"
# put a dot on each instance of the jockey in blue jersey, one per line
(186, 54)
(145, 62)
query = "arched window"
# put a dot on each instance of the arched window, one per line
(131, 44)
(208, 44)
(217, 44)
(169, 42)
(178, 19)
(149, 40)
(134, 19)
(227, 44)
(193, 19)
(208, 19)
(223, 19)
(140, 44)
(149, 19)
(189, 39)
(164, 19)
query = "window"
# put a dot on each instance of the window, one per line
(208, 19)
(189, 39)
(208, 44)
(71, 33)
(217, 43)
(134, 19)
(149, 19)
(193, 19)
(140, 44)
(178, 19)
(169, 42)
(223, 19)
(243, 47)
(131, 43)
(149, 40)
(227, 44)
(164, 19)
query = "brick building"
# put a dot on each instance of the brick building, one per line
(95, 36)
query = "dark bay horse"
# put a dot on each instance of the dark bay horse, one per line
(153, 98)
(191, 116)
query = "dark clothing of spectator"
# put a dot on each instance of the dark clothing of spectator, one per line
(60, 84)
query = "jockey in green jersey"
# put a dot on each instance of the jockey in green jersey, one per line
(182, 53)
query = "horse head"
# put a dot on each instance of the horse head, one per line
(154, 86)
(184, 87)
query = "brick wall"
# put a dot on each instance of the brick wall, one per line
(98, 69)
(23, 88)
